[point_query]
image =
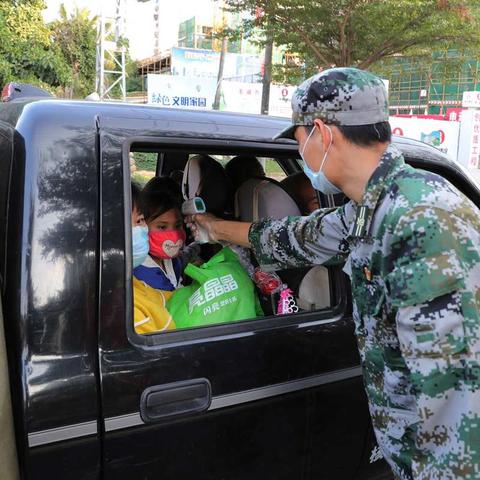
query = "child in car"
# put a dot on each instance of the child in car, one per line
(163, 267)
(299, 187)
(149, 312)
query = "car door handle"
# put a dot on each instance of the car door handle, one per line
(175, 399)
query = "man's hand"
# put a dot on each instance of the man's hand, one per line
(218, 230)
(203, 226)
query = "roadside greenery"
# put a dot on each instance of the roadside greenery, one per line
(59, 56)
(75, 35)
(142, 166)
(27, 50)
(145, 161)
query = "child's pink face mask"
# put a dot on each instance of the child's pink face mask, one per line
(166, 243)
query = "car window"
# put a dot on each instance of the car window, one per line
(223, 159)
(142, 166)
(273, 169)
(206, 285)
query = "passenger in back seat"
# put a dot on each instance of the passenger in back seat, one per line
(163, 267)
(299, 187)
(149, 312)
(163, 185)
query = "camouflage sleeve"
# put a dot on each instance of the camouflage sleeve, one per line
(434, 278)
(303, 241)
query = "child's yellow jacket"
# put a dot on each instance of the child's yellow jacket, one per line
(149, 309)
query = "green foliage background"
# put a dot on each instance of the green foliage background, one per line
(373, 34)
(75, 35)
(145, 161)
(59, 56)
(27, 50)
(368, 34)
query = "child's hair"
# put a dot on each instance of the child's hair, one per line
(137, 198)
(164, 185)
(159, 196)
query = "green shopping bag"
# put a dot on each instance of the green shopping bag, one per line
(221, 292)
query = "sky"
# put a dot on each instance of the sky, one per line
(140, 19)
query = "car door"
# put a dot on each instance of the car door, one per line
(276, 397)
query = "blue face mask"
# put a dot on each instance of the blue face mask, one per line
(318, 179)
(140, 245)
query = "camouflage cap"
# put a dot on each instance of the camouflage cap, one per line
(339, 96)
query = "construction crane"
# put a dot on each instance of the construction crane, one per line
(111, 51)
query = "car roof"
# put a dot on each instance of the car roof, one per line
(12, 111)
(260, 128)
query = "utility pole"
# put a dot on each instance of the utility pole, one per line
(218, 91)
(267, 76)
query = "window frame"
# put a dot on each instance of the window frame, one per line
(154, 341)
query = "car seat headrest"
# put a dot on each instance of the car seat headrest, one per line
(243, 167)
(258, 198)
(205, 177)
(177, 176)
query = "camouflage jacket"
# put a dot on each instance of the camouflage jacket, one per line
(412, 251)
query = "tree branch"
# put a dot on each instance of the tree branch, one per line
(387, 52)
(389, 44)
(306, 38)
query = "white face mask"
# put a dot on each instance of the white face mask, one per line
(140, 245)
(318, 179)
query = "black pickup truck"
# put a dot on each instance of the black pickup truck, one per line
(277, 397)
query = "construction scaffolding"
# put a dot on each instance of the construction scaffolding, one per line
(111, 52)
(419, 87)
(111, 76)
(160, 64)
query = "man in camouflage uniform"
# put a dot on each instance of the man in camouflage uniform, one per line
(410, 243)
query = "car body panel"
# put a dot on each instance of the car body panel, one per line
(50, 288)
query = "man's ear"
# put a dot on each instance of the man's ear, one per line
(326, 132)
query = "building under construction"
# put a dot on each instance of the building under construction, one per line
(419, 87)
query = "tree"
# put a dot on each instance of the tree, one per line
(27, 53)
(328, 33)
(75, 35)
(134, 79)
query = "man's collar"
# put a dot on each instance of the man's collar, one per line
(390, 163)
